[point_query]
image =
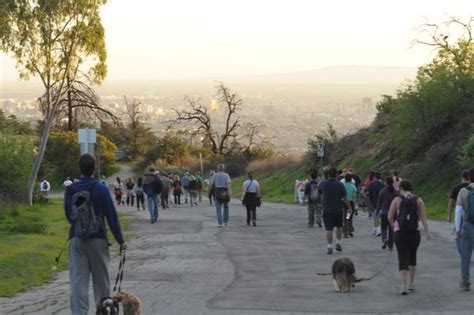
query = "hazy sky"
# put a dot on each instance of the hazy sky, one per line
(155, 39)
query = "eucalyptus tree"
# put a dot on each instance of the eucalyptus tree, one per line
(51, 40)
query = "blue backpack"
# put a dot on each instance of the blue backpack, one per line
(85, 223)
(469, 212)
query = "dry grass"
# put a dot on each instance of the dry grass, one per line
(273, 163)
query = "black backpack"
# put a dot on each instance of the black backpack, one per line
(85, 223)
(153, 181)
(314, 191)
(408, 214)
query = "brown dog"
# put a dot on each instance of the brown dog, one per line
(343, 273)
(130, 302)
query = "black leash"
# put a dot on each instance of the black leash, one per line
(378, 272)
(364, 279)
(119, 278)
(61, 253)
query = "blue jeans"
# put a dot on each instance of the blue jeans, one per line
(466, 250)
(219, 212)
(152, 206)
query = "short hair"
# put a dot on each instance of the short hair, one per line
(465, 174)
(406, 185)
(332, 172)
(250, 175)
(151, 169)
(314, 174)
(348, 178)
(87, 164)
(378, 175)
(220, 167)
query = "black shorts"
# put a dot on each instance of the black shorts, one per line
(332, 219)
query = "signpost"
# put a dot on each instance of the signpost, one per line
(87, 139)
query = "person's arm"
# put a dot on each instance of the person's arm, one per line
(229, 185)
(379, 202)
(67, 205)
(458, 221)
(393, 210)
(243, 191)
(259, 194)
(424, 220)
(451, 203)
(110, 213)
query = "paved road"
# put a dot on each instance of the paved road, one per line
(185, 264)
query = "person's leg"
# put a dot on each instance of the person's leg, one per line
(200, 196)
(186, 192)
(414, 243)
(384, 225)
(329, 237)
(345, 222)
(133, 199)
(226, 213)
(466, 250)
(318, 214)
(127, 200)
(254, 215)
(390, 238)
(218, 212)
(403, 261)
(247, 207)
(151, 206)
(311, 210)
(79, 274)
(157, 202)
(98, 253)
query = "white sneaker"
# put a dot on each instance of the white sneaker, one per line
(378, 231)
(219, 225)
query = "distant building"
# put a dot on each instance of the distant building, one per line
(367, 103)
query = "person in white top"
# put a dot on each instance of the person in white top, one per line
(67, 182)
(45, 187)
(251, 198)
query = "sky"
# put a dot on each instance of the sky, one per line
(181, 39)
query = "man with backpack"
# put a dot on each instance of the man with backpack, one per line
(45, 187)
(311, 192)
(87, 205)
(152, 186)
(464, 227)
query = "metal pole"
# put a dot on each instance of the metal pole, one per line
(98, 159)
(202, 167)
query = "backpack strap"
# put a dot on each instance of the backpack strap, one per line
(248, 187)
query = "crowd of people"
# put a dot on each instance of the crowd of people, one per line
(391, 206)
(333, 201)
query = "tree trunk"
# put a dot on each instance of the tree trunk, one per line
(42, 148)
(70, 114)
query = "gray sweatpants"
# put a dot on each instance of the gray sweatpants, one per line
(314, 208)
(85, 258)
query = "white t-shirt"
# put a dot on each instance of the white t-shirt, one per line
(66, 183)
(250, 186)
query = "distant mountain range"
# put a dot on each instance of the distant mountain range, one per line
(337, 75)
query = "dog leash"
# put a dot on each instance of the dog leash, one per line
(119, 278)
(363, 279)
(57, 258)
(378, 272)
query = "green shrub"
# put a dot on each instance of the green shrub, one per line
(16, 156)
(467, 153)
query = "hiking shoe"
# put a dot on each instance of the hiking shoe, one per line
(404, 290)
(329, 250)
(320, 225)
(339, 247)
(411, 288)
(384, 246)
(464, 286)
(219, 225)
(254, 223)
(351, 235)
